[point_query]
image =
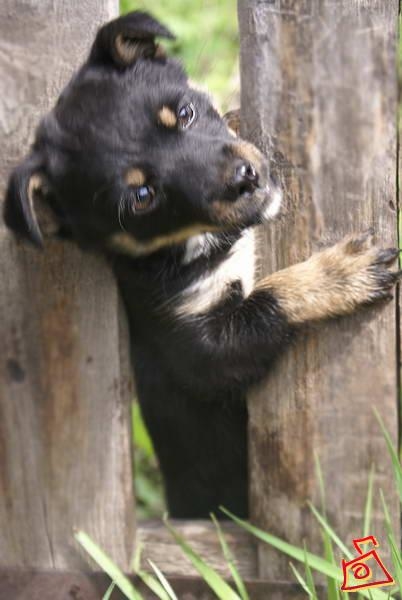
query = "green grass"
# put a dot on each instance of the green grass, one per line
(327, 565)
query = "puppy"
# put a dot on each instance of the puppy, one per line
(135, 163)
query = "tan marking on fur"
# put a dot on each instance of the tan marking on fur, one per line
(330, 283)
(35, 184)
(232, 120)
(127, 51)
(167, 117)
(135, 177)
(42, 215)
(160, 51)
(248, 152)
(125, 243)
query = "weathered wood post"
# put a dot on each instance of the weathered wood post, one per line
(65, 455)
(319, 95)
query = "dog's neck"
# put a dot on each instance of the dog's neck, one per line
(234, 269)
(202, 245)
(189, 279)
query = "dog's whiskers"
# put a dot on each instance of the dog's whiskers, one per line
(121, 209)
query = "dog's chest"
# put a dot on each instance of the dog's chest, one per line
(214, 285)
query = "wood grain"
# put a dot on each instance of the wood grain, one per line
(319, 95)
(159, 546)
(65, 458)
(37, 585)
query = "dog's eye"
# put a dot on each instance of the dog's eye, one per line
(144, 196)
(186, 115)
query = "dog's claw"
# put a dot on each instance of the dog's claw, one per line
(387, 256)
(365, 269)
(386, 297)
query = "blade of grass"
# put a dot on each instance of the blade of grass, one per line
(320, 478)
(367, 511)
(136, 562)
(332, 587)
(211, 577)
(163, 580)
(309, 576)
(396, 562)
(241, 588)
(390, 533)
(396, 465)
(153, 584)
(300, 579)
(107, 565)
(326, 527)
(395, 552)
(150, 581)
(316, 562)
(109, 591)
(369, 504)
(387, 517)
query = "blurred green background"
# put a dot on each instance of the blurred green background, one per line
(207, 43)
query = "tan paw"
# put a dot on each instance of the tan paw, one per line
(335, 281)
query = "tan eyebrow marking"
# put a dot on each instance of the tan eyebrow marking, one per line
(167, 117)
(135, 177)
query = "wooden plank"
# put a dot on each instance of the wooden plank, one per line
(31, 585)
(159, 546)
(64, 385)
(319, 95)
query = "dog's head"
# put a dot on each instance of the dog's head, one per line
(132, 156)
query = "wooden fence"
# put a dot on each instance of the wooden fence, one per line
(319, 88)
(319, 95)
(64, 396)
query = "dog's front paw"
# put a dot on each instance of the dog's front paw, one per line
(355, 272)
(335, 281)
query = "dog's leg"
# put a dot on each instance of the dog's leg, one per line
(241, 342)
(333, 282)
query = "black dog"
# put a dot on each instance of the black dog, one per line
(135, 163)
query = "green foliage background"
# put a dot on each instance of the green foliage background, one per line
(207, 43)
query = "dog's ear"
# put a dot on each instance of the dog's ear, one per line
(26, 210)
(128, 38)
(232, 120)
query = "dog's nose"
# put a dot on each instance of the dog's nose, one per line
(245, 178)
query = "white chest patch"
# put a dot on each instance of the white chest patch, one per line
(198, 245)
(274, 206)
(209, 290)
